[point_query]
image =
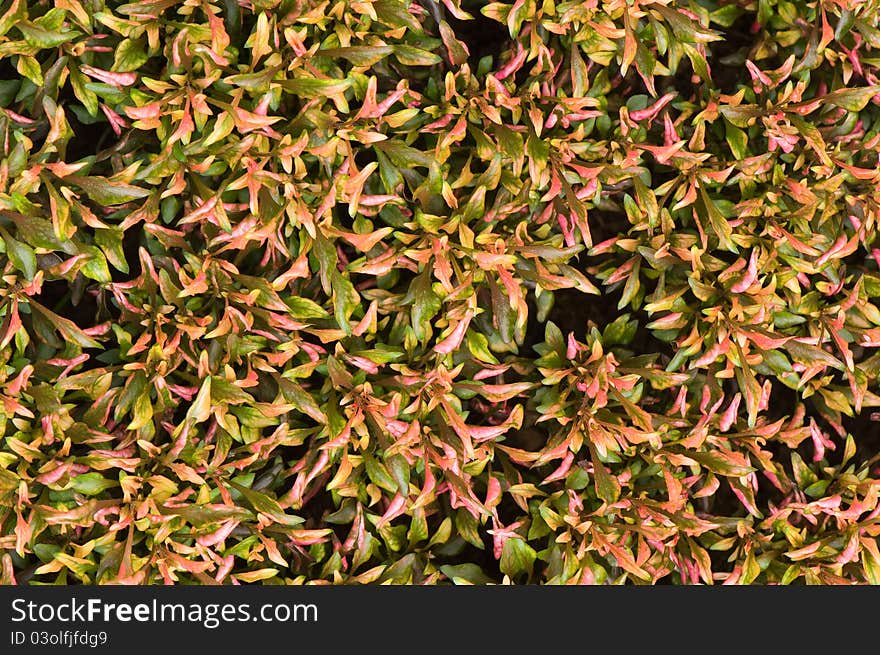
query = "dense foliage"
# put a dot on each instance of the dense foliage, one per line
(330, 291)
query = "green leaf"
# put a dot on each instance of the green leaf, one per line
(12, 16)
(130, 56)
(537, 149)
(717, 222)
(607, 486)
(478, 345)
(621, 331)
(345, 299)
(310, 87)
(684, 28)
(784, 319)
(803, 475)
(263, 504)
(737, 139)
(632, 285)
(96, 266)
(325, 253)
(412, 56)
(302, 400)
(199, 515)
(67, 328)
(425, 305)
(85, 95)
(844, 23)
(110, 242)
(379, 475)
(749, 385)
(30, 68)
(403, 155)
(871, 565)
(517, 557)
(21, 256)
(142, 412)
(304, 308)
(42, 38)
(852, 99)
(809, 354)
(92, 484)
(719, 463)
(395, 14)
(361, 55)
(39, 233)
(106, 192)
(465, 574)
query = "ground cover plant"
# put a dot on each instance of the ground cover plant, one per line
(431, 292)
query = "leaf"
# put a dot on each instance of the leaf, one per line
(326, 255)
(395, 14)
(403, 155)
(106, 192)
(726, 464)
(67, 328)
(39, 233)
(345, 299)
(113, 81)
(844, 24)
(256, 575)
(517, 557)
(41, 38)
(201, 515)
(310, 87)
(130, 55)
(718, 223)
(110, 242)
(200, 410)
(465, 574)
(632, 285)
(620, 331)
(30, 68)
(92, 484)
(456, 50)
(95, 267)
(301, 400)
(478, 345)
(538, 151)
(362, 55)
(607, 486)
(737, 139)
(142, 412)
(630, 43)
(304, 308)
(84, 94)
(262, 503)
(17, 9)
(412, 56)
(870, 559)
(852, 99)
(809, 354)
(749, 385)
(21, 256)
(379, 475)
(684, 28)
(425, 305)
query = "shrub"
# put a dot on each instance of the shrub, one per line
(418, 292)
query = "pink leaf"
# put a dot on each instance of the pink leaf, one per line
(395, 508)
(113, 79)
(650, 113)
(453, 341)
